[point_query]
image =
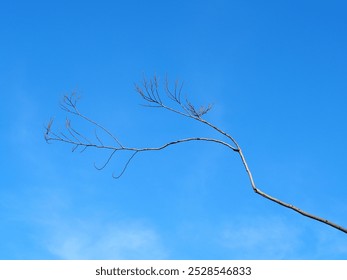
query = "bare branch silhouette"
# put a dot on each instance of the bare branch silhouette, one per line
(149, 90)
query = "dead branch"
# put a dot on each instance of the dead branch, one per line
(150, 92)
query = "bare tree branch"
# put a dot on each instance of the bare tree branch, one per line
(150, 92)
(69, 105)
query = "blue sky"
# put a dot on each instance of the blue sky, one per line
(276, 74)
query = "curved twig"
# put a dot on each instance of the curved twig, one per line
(125, 167)
(107, 161)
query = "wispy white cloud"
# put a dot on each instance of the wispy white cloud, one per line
(92, 240)
(337, 245)
(49, 209)
(262, 238)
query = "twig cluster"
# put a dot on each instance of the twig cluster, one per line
(149, 90)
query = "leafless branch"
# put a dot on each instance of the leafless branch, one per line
(69, 105)
(150, 92)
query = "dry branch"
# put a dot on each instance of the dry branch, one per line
(150, 92)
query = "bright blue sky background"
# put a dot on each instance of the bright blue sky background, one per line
(276, 74)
